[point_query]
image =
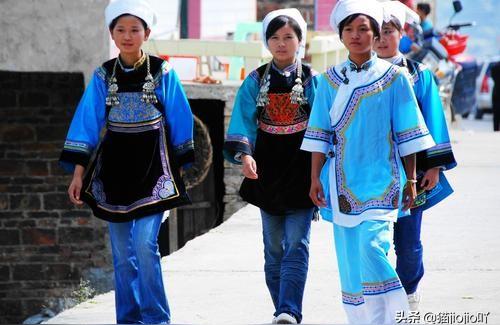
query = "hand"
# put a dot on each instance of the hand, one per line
(409, 195)
(74, 190)
(249, 169)
(316, 193)
(430, 179)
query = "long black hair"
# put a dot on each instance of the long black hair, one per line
(349, 19)
(114, 21)
(281, 21)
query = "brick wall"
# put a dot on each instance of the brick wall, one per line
(46, 245)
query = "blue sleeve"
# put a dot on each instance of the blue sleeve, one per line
(178, 116)
(441, 155)
(242, 130)
(317, 137)
(409, 130)
(85, 128)
(405, 44)
(310, 86)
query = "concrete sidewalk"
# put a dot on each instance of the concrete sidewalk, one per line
(218, 278)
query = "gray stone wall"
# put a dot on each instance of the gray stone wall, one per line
(232, 173)
(55, 35)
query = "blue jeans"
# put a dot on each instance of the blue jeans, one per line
(286, 255)
(139, 293)
(409, 250)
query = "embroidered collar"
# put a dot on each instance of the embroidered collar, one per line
(287, 71)
(364, 67)
(396, 60)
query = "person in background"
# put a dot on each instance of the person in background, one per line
(432, 184)
(267, 126)
(365, 120)
(135, 175)
(423, 11)
(495, 96)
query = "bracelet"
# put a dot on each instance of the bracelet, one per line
(413, 181)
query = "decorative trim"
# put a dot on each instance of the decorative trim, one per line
(411, 134)
(288, 129)
(354, 299)
(239, 138)
(332, 77)
(318, 134)
(439, 149)
(184, 147)
(348, 202)
(78, 146)
(377, 288)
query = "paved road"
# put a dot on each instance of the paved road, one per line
(218, 279)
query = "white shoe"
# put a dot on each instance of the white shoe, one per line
(285, 318)
(274, 320)
(414, 300)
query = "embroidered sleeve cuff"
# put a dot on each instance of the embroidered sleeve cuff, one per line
(415, 145)
(314, 146)
(440, 155)
(75, 153)
(234, 149)
(316, 140)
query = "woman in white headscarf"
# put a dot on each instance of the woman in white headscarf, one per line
(268, 123)
(364, 119)
(135, 175)
(432, 185)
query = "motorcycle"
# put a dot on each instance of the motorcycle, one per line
(443, 53)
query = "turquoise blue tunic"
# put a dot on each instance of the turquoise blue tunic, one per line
(441, 155)
(364, 119)
(135, 171)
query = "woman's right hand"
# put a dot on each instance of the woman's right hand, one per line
(75, 186)
(316, 193)
(249, 169)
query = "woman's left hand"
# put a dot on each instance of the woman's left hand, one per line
(430, 179)
(409, 195)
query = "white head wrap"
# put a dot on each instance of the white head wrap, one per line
(295, 15)
(400, 12)
(138, 8)
(345, 8)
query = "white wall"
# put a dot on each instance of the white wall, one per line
(221, 16)
(167, 13)
(55, 35)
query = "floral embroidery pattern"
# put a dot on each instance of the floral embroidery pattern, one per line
(281, 116)
(164, 188)
(132, 110)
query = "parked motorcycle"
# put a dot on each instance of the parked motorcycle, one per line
(454, 71)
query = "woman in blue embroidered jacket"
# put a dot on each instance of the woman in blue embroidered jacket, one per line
(267, 127)
(364, 118)
(430, 163)
(135, 175)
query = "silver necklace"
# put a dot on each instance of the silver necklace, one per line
(148, 94)
(296, 95)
